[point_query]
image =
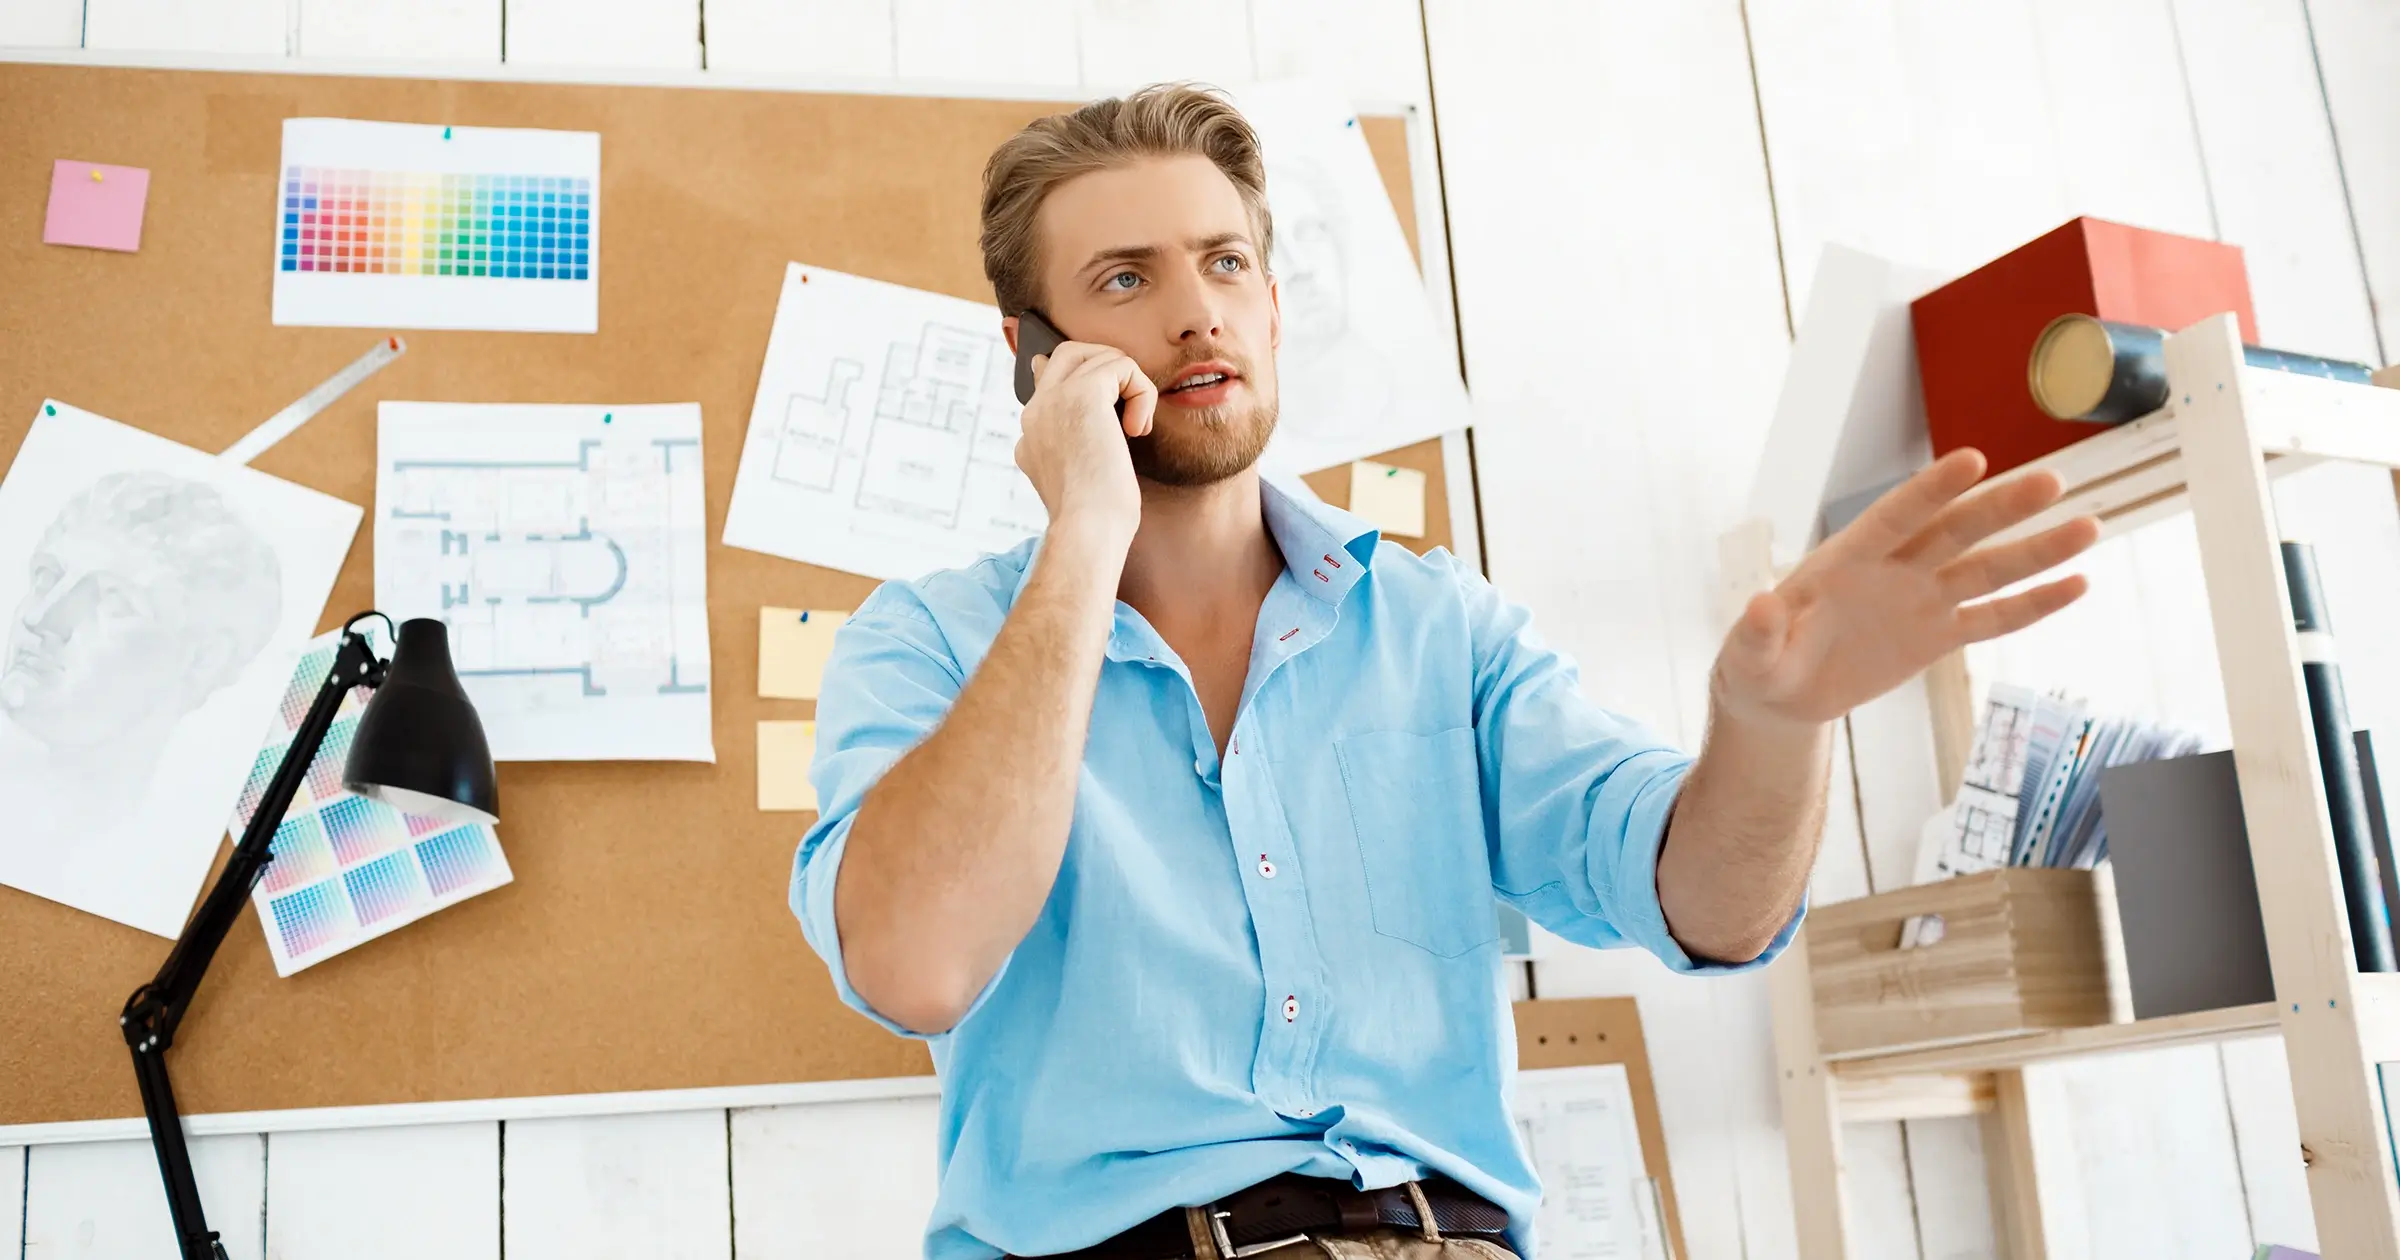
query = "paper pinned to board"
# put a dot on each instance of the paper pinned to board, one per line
(1364, 366)
(1599, 1201)
(793, 645)
(155, 598)
(884, 433)
(407, 225)
(565, 546)
(348, 869)
(1388, 498)
(785, 750)
(96, 206)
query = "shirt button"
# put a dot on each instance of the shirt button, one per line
(1266, 869)
(1200, 766)
(1291, 1009)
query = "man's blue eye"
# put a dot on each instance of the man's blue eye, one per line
(1122, 275)
(1231, 262)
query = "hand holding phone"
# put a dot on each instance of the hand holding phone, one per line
(1076, 419)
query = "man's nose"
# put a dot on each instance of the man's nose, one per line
(1196, 313)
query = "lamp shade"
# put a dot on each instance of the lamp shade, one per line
(419, 746)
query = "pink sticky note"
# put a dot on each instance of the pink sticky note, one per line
(96, 206)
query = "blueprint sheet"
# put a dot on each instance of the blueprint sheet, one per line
(883, 438)
(565, 547)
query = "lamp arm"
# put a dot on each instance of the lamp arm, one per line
(154, 1010)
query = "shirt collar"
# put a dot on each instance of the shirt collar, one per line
(1325, 548)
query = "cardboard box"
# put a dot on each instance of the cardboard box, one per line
(1975, 334)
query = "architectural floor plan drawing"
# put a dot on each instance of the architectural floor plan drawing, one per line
(564, 546)
(883, 439)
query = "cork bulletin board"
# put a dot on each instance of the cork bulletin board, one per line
(644, 943)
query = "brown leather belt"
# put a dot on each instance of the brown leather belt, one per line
(1289, 1207)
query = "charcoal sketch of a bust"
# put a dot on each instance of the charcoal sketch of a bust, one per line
(144, 596)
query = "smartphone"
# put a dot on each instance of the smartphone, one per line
(1036, 335)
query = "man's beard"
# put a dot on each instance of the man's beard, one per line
(1204, 447)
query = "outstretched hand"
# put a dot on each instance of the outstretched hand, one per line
(1902, 586)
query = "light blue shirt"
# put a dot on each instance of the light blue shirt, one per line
(1283, 960)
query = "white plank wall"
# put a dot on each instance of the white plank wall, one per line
(103, 1200)
(1630, 224)
(383, 1194)
(651, 1187)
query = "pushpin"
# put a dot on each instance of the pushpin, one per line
(445, 133)
(608, 417)
(804, 616)
(96, 175)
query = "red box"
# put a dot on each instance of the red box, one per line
(1975, 333)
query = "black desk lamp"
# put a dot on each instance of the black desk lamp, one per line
(419, 748)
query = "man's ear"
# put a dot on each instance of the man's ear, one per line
(1274, 313)
(1008, 329)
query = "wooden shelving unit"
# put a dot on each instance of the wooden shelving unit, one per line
(2227, 431)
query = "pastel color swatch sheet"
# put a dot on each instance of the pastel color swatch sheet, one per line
(1391, 499)
(348, 869)
(785, 750)
(96, 206)
(404, 225)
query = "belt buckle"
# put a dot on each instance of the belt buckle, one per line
(1225, 1247)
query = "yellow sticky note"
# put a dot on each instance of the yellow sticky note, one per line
(1391, 499)
(792, 646)
(784, 751)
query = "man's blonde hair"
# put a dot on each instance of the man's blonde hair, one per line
(1162, 120)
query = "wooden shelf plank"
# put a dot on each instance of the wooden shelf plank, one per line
(2063, 1043)
(2308, 415)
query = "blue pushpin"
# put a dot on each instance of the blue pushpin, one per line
(804, 616)
(445, 133)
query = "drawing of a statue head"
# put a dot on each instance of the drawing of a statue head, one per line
(1309, 265)
(144, 596)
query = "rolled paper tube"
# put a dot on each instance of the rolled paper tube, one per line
(2104, 372)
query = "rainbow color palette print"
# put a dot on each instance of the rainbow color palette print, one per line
(405, 225)
(347, 869)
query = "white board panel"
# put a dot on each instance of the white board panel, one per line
(2266, 1134)
(834, 1181)
(1373, 50)
(104, 1200)
(12, 1199)
(1124, 44)
(41, 24)
(650, 1187)
(647, 33)
(2126, 148)
(850, 39)
(2358, 52)
(385, 1194)
(1883, 1215)
(1954, 1198)
(424, 30)
(1032, 43)
(255, 27)
(2159, 1177)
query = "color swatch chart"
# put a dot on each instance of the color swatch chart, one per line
(348, 869)
(413, 223)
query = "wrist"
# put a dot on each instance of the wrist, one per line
(1086, 535)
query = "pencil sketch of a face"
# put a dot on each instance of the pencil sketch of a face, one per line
(144, 596)
(1309, 266)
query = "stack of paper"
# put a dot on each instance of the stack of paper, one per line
(2031, 794)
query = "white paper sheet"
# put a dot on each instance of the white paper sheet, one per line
(156, 598)
(347, 869)
(1578, 1125)
(1364, 367)
(883, 437)
(566, 548)
(405, 225)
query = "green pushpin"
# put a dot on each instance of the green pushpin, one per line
(49, 410)
(608, 417)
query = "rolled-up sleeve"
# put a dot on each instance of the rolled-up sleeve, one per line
(1576, 799)
(889, 682)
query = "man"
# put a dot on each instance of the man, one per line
(1177, 829)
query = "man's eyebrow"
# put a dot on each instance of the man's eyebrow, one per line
(1147, 253)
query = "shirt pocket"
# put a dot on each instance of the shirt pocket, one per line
(1417, 807)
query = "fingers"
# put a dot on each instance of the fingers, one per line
(1140, 395)
(1892, 520)
(1995, 617)
(1758, 637)
(1979, 573)
(1069, 356)
(1978, 516)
